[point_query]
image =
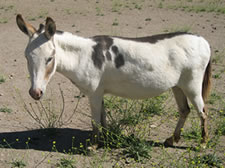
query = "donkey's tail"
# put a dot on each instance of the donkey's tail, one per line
(206, 84)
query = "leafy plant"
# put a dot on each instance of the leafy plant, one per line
(115, 22)
(3, 20)
(206, 160)
(18, 164)
(213, 98)
(2, 79)
(99, 12)
(136, 148)
(131, 112)
(221, 128)
(193, 132)
(124, 117)
(66, 163)
(5, 110)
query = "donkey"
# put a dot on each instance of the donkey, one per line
(135, 68)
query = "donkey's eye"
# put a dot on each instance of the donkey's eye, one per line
(49, 60)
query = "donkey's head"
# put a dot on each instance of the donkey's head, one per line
(40, 54)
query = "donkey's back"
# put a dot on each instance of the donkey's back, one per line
(146, 67)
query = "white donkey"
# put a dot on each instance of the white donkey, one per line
(134, 68)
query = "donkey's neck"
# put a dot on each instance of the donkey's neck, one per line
(70, 50)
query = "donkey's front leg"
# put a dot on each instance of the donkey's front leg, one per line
(98, 113)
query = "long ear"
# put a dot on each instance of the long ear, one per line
(25, 27)
(50, 28)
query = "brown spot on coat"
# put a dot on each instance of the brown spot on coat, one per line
(49, 69)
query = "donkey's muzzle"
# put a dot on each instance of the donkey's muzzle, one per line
(35, 93)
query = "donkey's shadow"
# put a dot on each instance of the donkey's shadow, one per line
(57, 139)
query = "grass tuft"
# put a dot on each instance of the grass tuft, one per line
(66, 163)
(5, 110)
(2, 79)
(206, 160)
(18, 164)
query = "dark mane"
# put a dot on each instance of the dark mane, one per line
(155, 38)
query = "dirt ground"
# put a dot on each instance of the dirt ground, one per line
(85, 18)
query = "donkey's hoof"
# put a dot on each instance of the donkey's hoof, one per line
(168, 142)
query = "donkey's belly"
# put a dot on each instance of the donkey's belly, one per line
(134, 93)
(138, 90)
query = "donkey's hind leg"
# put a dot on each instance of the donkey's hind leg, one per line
(198, 102)
(184, 110)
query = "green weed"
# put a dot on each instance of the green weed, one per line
(115, 22)
(218, 56)
(221, 127)
(214, 97)
(126, 125)
(160, 5)
(185, 28)
(42, 14)
(99, 12)
(199, 6)
(5, 110)
(68, 11)
(116, 6)
(136, 148)
(18, 164)
(2, 79)
(7, 8)
(206, 160)
(194, 132)
(3, 20)
(131, 112)
(66, 163)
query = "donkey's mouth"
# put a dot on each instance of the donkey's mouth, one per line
(36, 98)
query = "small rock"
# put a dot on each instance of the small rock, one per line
(148, 19)
(1, 94)
(216, 51)
(11, 76)
(153, 126)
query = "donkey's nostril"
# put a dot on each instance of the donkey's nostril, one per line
(36, 93)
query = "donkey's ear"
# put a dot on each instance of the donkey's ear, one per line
(25, 27)
(50, 28)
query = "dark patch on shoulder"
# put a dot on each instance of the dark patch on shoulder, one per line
(103, 44)
(115, 50)
(155, 38)
(119, 59)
